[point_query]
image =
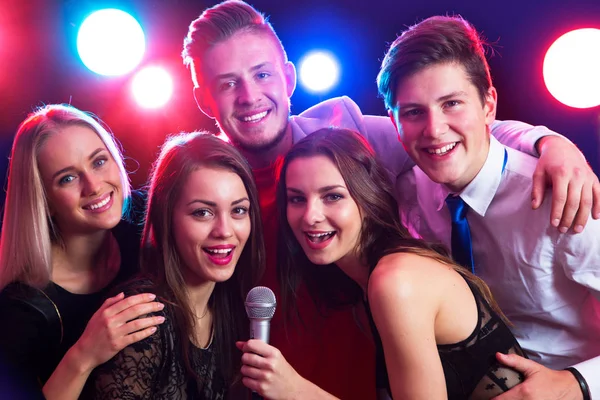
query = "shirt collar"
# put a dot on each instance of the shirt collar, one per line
(480, 192)
(297, 132)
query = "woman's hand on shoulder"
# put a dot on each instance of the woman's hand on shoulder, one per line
(116, 325)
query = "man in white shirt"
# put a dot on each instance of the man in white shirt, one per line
(436, 84)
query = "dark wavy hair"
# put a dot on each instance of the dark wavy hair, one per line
(382, 232)
(179, 157)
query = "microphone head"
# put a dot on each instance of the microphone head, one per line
(260, 303)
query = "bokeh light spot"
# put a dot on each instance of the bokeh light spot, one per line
(152, 87)
(110, 42)
(572, 68)
(319, 71)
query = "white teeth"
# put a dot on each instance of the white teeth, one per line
(101, 204)
(320, 237)
(255, 117)
(219, 251)
(316, 235)
(442, 150)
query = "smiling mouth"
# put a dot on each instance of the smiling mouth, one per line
(254, 118)
(442, 150)
(218, 253)
(319, 237)
(99, 204)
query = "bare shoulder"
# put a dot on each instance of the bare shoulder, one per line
(406, 269)
(408, 277)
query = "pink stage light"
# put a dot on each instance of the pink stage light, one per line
(152, 87)
(572, 68)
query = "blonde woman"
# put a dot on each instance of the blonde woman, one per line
(65, 242)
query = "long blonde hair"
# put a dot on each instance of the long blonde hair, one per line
(27, 229)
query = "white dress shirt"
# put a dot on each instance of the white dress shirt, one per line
(547, 283)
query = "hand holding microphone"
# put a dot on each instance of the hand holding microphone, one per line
(264, 369)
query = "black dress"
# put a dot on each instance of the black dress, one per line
(470, 366)
(30, 346)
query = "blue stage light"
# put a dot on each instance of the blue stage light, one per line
(319, 71)
(110, 42)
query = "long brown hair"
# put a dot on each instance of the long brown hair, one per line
(179, 157)
(382, 232)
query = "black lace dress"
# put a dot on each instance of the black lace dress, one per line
(470, 366)
(154, 369)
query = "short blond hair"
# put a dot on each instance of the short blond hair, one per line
(219, 23)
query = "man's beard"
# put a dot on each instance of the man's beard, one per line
(256, 149)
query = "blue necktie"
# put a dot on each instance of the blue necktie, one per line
(462, 250)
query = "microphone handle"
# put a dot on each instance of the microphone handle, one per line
(260, 329)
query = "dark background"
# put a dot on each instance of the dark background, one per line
(39, 63)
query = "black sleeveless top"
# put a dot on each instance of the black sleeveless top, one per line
(470, 366)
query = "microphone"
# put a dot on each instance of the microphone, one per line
(260, 307)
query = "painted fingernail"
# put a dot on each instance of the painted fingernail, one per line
(578, 228)
(555, 222)
(153, 329)
(597, 216)
(160, 320)
(160, 306)
(151, 296)
(563, 229)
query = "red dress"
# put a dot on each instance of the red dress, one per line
(330, 351)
